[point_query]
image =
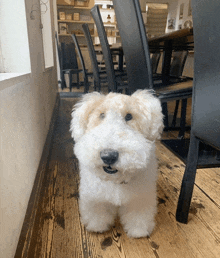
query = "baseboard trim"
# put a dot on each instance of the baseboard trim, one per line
(29, 220)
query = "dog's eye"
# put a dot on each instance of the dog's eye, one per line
(128, 117)
(102, 115)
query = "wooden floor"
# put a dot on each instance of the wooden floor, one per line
(58, 232)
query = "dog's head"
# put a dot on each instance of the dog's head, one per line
(115, 133)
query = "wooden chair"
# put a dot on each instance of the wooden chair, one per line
(205, 100)
(116, 82)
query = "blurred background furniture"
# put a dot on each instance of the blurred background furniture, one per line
(179, 40)
(155, 58)
(137, 56)
(116, 82)
(84, 71)
(176, 69)
(69, 65)
(99, 76)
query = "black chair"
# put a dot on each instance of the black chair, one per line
(69, 66)
(205, 126)
(176, 69)
(138, 64)
(175, 76)
(134, 66)
(84, 71)
(116, 82)
(99, 76)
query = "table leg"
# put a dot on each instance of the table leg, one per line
(166, 61)
(120, 61)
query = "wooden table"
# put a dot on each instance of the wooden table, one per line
(177, 40)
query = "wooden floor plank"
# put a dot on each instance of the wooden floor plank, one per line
(209, 181)
(202, 229)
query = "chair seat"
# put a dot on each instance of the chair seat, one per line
(72, 71)
(176, 91)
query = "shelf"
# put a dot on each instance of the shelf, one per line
(71, 21)
(110, 24)
(72, 7)
(78, 35)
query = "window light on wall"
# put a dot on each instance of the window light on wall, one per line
(47, 33)
(14, 46)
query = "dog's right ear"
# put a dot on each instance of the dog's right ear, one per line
(81, 112)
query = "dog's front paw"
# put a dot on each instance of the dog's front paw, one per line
(95, 225)
(137, 231)
(97, 217)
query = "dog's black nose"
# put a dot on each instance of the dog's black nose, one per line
(109, 156)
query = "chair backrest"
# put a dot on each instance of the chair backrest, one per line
(105, 48)
(206, 94)
(68, 56)
(155, 61)
(178, 63)
(92, 55)
(134, 42)
(82, 62)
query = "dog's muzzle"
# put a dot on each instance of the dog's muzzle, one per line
(109, 157)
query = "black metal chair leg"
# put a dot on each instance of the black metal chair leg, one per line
(86, 85)
(183, 119)
(218, 155)
(95, 87)
(175, 114)
(165, 113)
(63, 83)
(70, 80)
(78, 83)
(187, 186)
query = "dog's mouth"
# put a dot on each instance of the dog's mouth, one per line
(110, 170)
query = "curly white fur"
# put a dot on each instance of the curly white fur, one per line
(98, 123)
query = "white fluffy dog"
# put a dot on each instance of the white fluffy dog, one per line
(115, 145)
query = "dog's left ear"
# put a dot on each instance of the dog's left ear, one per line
(81, 113)
(151, 111)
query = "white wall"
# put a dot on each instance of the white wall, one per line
(26, 106)
(174, 11)
(172, 14)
